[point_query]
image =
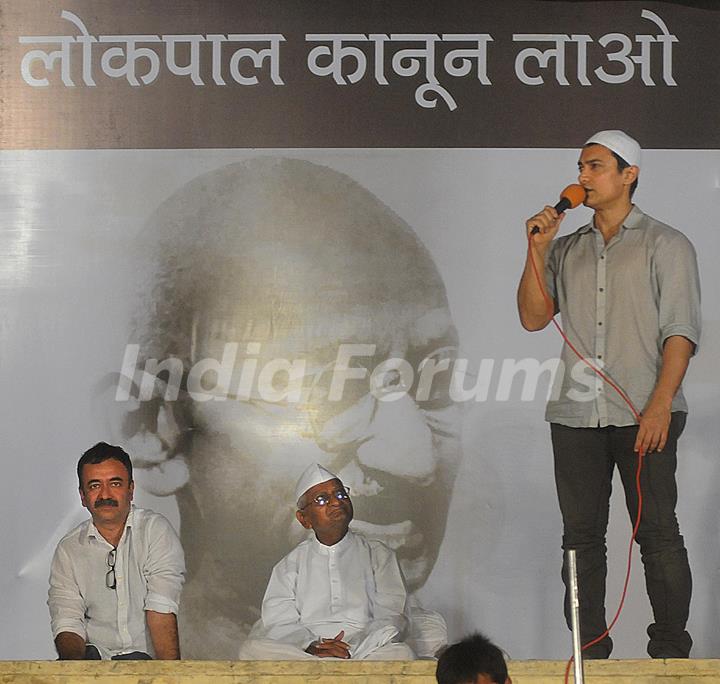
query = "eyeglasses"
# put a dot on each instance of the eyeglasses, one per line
(324, 499)
(110, 582)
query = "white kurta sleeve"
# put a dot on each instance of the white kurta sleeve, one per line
(280, 616)
(387, 603)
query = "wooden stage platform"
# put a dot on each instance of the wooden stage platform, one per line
(418, 672)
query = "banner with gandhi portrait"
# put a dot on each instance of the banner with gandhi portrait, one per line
(239, 238)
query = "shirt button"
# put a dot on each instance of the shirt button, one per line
(599, 322)
(599, 356)
(603, 256)
(602, 289)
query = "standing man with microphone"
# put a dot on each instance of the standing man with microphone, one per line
(628, 290)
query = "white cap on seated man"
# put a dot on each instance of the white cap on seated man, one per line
(336, 594)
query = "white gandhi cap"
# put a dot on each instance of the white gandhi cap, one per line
(620, 143)
(314, 474)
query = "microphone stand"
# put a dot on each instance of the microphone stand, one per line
(575, 618)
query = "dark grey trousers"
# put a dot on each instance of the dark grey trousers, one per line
(585, 459)
(91, 653)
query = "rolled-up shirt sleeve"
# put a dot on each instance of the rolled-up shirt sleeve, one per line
(390, 597)
(67, 607)
(164, 569)
(678, 283)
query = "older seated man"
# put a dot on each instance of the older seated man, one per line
(336, 594)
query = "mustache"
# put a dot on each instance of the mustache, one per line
(105, 502)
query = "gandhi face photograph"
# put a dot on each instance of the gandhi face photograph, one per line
(285, 315)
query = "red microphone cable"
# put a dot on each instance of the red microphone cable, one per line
(636, 414)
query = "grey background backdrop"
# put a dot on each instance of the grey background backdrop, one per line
(69, 222)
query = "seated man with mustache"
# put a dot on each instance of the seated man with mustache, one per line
(115, 579)
(335, 595)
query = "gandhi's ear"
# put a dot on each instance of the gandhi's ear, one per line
(110, 412)
(148, 430)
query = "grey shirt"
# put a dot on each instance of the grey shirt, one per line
(619, 303)
(149, 568)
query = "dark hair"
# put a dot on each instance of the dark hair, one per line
(622, 164)
(461, 663)
(101, 452)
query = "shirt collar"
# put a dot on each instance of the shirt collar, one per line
(631, 222)
(340, 547)
(633, 219)
(92, 531)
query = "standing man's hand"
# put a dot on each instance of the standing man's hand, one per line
(330, 648)
(532, 297)
(547, 222)
(655, 419)
(654, 426)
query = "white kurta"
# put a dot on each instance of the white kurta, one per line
(316, 591)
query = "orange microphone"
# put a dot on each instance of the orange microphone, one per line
(572, 196)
